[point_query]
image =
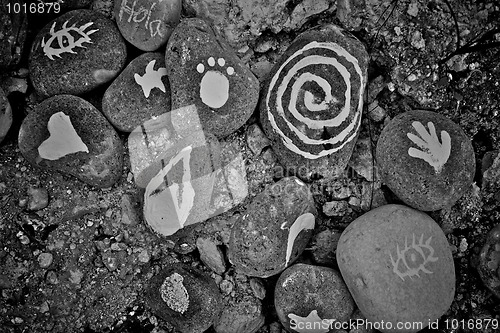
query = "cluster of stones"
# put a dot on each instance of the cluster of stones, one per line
(186, 93)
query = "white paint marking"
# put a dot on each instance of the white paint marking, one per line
(304, 221)
(435, 153)
(221, 62)
(310, 324)
(211, 61)
(65, 39)
(200, 68)
(151, 78)
(230, 70)
(214, 85)
(63, 139)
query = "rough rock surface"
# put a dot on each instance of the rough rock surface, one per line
(312, 102)
(398, 266)
(489, 261)
(5, 115)
(13, 29)
(425, 159)
(92, 54)
(67, 134)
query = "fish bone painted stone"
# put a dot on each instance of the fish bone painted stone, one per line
(5, 115)
(68, 134)
(147, 24)
(140, 92)
(187, 175)
(398, 266)
(75, 53)
(204, 70)
(312, 102)
(274, 230)
(425, 159)
(310, 298)
(185, 297)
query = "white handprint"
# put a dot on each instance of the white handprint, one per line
(432, 151)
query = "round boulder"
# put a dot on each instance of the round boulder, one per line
(398, 266)
(75, 53)
(274, 230)
(425, 159)
(68, 134)
(312, 299)
(185, 297)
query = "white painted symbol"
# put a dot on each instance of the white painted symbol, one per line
(291, 80)
(63, 139)
(174, 293)
(151, 78)
(432, 151)
(214, 85)
(163, 200)
(310, 324)
(413, 258)
(139, 14)
(303, 222)
(65, 40)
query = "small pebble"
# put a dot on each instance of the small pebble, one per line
(256, 139)
(38, 198)
(258, 288)
(45, 259)
(144, 256)
(52, 278)
(335, 208)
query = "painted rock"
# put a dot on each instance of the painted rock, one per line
(274, 230)
(311, 299)
(13, 27)
(147, 24)
(489, 261)
(425, 159)
(185, 297)
(204, 70)
(68, 134)
(313, 100)
(75, 53)
(397, 264)
(140, 92)
(187, 176)
(5, 115)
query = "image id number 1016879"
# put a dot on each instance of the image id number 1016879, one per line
(39, 7)
(472, 324)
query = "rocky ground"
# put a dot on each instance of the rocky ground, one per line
(75, 258)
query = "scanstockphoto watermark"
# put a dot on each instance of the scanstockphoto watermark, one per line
(352, 324)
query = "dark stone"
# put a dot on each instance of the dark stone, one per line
(5, 115)
(489, 261)
(81, 143)
(443, 172)
(304, 111)
(93, 53)
(204, 70)
(185, 297)
(13, 27)
(140, 92)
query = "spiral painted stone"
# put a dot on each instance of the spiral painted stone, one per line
(398, 266)
(312, 103)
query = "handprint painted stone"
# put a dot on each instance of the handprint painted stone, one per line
(398, 266)
(185, 297)
(274, 230)
(425, 159)
(204, 70)
(312, 102)
(308, 297)
(68, 134)
(140, 92)
(75, 53)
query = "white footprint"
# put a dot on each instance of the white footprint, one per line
(214, 85)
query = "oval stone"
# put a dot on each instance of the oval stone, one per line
(311, 298)
(398, 266)
(425, 159)
(274, 230)
(147, 24)
(185, 297)
(313, 100)
(203, 70)
(140, 92)
(75, 53)
(68, 134)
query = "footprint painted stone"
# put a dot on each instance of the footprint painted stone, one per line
(312, 102)
(204, 70)
(489, 261)
(425, 159)
(5, 115)
(68, 134)
(274, 230)
(185, 297)
(147, 24)
(140, 92)
(398, 266)
(311, 299)
(187, 175)
(75, 53)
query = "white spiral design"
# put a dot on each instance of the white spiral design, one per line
(290, 79)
